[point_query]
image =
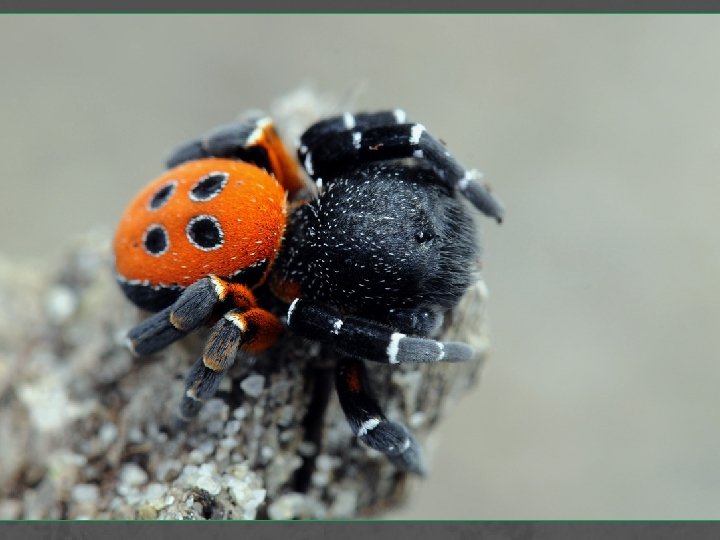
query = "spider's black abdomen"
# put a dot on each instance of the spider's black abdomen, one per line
(381, 237)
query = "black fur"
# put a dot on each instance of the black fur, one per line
(150, 297)
(386, 236)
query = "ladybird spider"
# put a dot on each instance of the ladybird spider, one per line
(369, 266)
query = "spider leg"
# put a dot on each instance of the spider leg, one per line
(333, 153)
(253, 330)
(365, 339)
(254, 141)
(191, 310)
(368, 422)
(339, 124)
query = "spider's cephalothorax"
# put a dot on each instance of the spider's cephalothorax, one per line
(383, 237)
(369, 266)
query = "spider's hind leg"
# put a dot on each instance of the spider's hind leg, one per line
(368, 422)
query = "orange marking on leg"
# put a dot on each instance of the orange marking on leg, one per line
(353, 380)
(241, 296)
(213, 363)
(285, 167)
(265, 328)
(285, 290)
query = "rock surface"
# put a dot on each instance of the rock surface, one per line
(83, 422)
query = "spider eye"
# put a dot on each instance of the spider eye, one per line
(423, 236)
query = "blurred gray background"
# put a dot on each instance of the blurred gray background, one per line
(600, 133)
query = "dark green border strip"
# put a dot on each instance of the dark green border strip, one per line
(375, 530)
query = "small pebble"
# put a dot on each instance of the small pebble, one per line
(214, 409)
(85, 493)
(253, 385)
(197, 456)
(107, 434)
(287, 506)
(417, 419)
(168, 470)
(206, 469)
(345, 505)
(320, 478)
(207, 447)
(325, 462)
(209, 484)
(232, 427)
(240, 413)
(133, 475)
(225, 385)
(61, 303)
(135, 435)
(229, 443)
(286, 416)
(147, 512)
(155, 495)
(207, 479)
(214, 427)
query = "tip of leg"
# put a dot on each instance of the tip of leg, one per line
(398, 444)
(411, 460)
(130, 346)
(456, 351)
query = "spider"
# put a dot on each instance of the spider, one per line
(369, 265)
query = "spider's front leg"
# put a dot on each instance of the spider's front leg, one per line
(337, 145)
(314, 135)
(365, 339)
(368, 422)
(254, 141)
(246, 327)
